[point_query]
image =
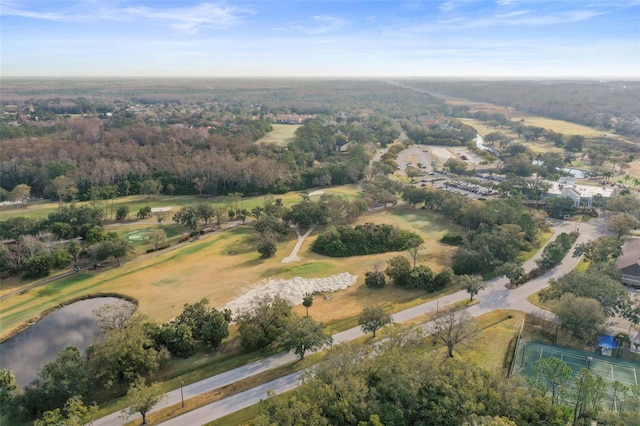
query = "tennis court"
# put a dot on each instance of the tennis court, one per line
(611, 369)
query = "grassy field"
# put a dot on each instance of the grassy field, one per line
(281, 134)
(560, 126)
(40, 209)
(223, 265)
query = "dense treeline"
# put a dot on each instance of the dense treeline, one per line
(341, 241)
(172, 133)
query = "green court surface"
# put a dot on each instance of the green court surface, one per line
(611, 369)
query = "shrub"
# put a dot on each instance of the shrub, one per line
(452, 239)
(375, 279)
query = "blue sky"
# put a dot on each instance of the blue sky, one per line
(456, 38)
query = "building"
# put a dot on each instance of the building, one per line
(581, 195)
(629, 262)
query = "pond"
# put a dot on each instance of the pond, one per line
(73, 325)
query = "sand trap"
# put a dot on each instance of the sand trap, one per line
(318, 192)
(160, 209)
(293, 289)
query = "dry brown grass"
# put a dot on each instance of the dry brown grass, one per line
(223, 265)
(561, 126)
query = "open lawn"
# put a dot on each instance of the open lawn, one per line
(223, 265)
(560, 126)
(281, 134)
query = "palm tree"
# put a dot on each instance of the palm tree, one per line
(307, 301)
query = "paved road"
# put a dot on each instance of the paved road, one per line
(495, 296)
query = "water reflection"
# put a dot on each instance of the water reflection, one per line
(74, 325)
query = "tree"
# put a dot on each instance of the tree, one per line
(150, 187)
(160, 217)
(125, 354)
(117, 316)
(307, 301)
(205, 211)
(575, 143)
(588, 392)
(514, 272)
(398, 270)
(556, 373)
(374, 279)
(372, 319)
(622, 223)
(121, 213)
(58, 381)
(38, 266)
(7, 386)
(261, 325)
(64, 188)
(74, 248)
(600, 250)
(267, 246)
(205, 322)
(157, 237)
(199, 184)
(594, 284)
(242, 214)
(113, 247)
(454, 328)
(144, 212)
(304, 334)
(21, 193)
(187, 215)
(220, 213)
(77, 414)
(178, 339)
(581, 316)
(142, 398)
(412, 172)
(413, 252)
(472, 284)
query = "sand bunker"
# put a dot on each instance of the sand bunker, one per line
(293, 289)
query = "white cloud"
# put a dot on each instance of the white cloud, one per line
(188, 19)
(446, 6)
(326, 23)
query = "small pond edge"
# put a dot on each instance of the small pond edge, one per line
(33, 320)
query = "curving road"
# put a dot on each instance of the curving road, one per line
(495, 296)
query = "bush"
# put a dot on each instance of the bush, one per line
(121, 213)
(144, 212)
(375, 279)
(38, 267)
(452, 239)
(61, 258)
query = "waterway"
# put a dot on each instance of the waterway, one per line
(73, 325)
